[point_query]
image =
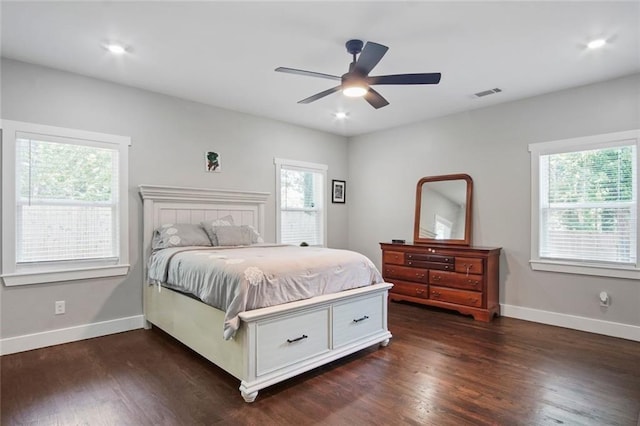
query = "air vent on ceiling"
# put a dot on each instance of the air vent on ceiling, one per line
(487, 92)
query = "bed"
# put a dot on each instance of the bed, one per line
(270, 344)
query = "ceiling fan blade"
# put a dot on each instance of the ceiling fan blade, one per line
(375, 99)
(424, 78)
(370, 56)
(307, 73)
(320, 95)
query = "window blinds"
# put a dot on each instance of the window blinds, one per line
(67, 200)
(301, 206)
(588, 205)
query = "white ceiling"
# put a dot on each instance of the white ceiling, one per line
(224, 53)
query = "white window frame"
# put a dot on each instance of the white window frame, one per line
(47, 272)
(307, 167)
(571, 145)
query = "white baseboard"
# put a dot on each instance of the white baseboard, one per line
(608, 328)
(28, 342)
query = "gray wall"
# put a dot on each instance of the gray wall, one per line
(490, 144)
(169, 138)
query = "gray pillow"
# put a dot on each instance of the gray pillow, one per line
(234, 235)
(179, 235)
(208, 226)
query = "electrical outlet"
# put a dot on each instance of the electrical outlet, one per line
(60, 307)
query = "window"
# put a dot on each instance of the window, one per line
(301, 200)
(584, 205)
(64, 203)
(442, 227)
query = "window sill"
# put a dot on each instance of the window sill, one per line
(585, 269)
(41, 277)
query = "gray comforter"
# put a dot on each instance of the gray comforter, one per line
(243, 278)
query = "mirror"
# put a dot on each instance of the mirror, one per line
(443, 210)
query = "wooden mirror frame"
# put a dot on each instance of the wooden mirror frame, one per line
(466, 241)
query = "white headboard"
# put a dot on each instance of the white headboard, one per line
(171, 204)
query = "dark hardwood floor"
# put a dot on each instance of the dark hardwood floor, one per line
(440, 369)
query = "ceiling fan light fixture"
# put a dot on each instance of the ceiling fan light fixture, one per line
(354, 91)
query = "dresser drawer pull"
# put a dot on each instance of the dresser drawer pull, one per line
(437, 277)
(418, 291)
(436, 293)
(409, 263)
(468, 267)
(474, 282)
(304, 336)
(420, 275)
(361, 319)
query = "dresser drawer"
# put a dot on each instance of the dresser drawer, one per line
(460, 297)
(469, 265)
(431, 265)
(430, 258)
(410, 289)
(405, 273)
(357, 319)
(393, 257)
(456, 280)
(285, 341)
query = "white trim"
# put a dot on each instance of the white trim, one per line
(301, 164)
(39, 277)
(28, 342)
(40, 273)
(568, 145)
(585, 269)
(584, 142)
(607, 328)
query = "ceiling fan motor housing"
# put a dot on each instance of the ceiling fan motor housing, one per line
(354, 46)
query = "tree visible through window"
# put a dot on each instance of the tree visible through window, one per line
(588, 209)
(66, 201)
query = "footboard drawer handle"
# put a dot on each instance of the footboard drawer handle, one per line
(361, 319)
(304, 336)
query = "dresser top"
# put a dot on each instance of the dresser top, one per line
(439, 248)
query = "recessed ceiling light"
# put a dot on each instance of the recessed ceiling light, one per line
(341, 115)
(597, 43)
(116, 49)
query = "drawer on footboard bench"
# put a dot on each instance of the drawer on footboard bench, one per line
(358, 319)
(285, 341)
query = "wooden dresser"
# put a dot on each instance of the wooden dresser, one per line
(465, 279)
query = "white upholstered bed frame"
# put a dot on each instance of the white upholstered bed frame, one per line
(274, 343)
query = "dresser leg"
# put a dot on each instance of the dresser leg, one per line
(384, 343)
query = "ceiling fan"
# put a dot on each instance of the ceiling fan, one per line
(357, 81)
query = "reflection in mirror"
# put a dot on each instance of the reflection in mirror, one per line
(443, 210)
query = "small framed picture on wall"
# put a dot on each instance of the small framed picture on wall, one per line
(338, 190)
(212, 161)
